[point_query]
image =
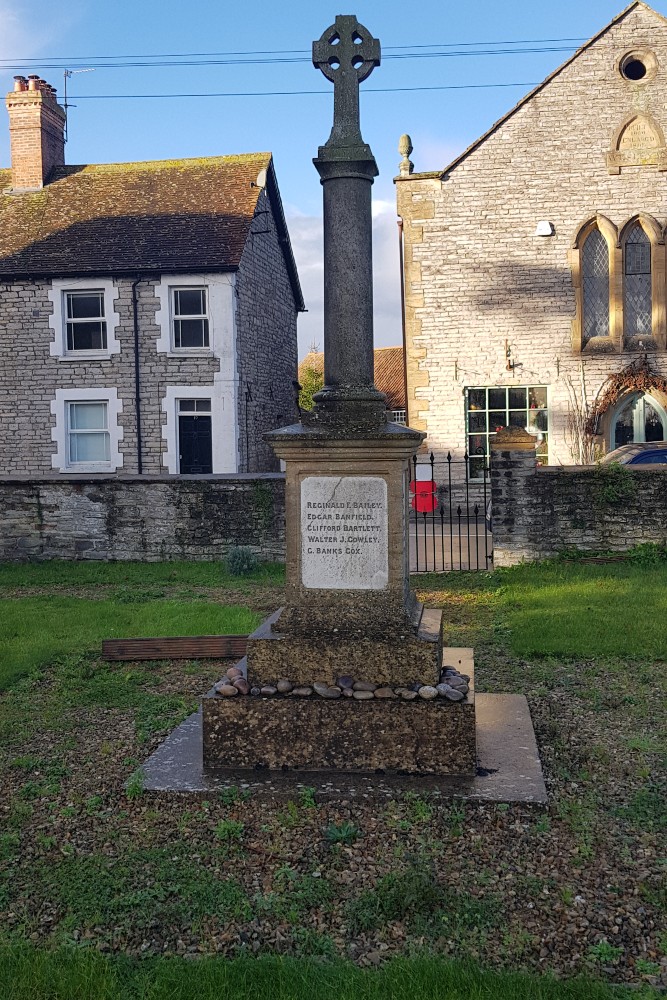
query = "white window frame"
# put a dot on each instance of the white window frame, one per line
(488, 435)
(174, 318)
(60, 433)
(58, 319)
(221, 310)
(223, 427)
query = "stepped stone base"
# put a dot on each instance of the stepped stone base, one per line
(315, 734)
(400, 659)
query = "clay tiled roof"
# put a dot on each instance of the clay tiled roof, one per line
(389, 373)
(164, 215)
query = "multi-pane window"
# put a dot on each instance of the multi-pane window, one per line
(595, 286)
(88, 432)
(637, 305)
(492, 409)
(398, 417)
(190, 317)
(86, 328)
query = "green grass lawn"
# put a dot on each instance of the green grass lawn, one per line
(563, 609)
(79, 975)
(559, 609)
(59, 573)
(36, 630)
(114, 600)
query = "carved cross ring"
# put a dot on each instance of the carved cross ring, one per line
(346, 45)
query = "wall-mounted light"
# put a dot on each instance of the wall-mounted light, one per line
(544, 228)
(509, 367)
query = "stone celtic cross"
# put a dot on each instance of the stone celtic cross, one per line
(346, 53)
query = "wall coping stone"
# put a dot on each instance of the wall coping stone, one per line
(92, 477)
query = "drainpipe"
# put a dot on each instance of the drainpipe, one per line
(405, 352)
(137, 377)
(248, 399)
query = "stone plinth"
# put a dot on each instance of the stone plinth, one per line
(402, 659)
(314, 734)
(348, 605)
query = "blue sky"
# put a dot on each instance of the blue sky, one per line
(441, 122)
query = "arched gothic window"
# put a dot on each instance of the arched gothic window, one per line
(595, 286)
(637, 297)
(638, 418)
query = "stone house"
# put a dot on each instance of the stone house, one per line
(147, 310)
(534, 263)
(388, 373)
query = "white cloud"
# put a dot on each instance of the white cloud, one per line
(431, 153)
(23, 31)
(306, 235)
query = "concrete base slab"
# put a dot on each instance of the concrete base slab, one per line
(509, 768)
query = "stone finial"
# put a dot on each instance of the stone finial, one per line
(514, 439)
(406, 166)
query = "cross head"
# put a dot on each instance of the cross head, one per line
(346, 53)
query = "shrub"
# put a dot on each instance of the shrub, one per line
(241, 560)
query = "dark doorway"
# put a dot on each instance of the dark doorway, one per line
(195, 444)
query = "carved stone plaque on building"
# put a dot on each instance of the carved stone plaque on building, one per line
(638, 142)
(344, 539)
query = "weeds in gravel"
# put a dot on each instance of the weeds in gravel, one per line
(417, 898)
(341, 833)
(142, 888)
(647, 809)
(296, 814)
(135, 784)
(232, 794)
(230, 831)
(307, 798)
(418, 809)
(294, 895)
(604, 953)
(9, 845)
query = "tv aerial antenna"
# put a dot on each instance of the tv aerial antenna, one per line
(66, 76)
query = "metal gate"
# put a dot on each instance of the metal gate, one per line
(450, 521)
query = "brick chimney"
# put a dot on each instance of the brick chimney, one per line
(36, 132)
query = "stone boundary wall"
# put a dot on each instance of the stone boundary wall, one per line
(149, 518)
(541, 511)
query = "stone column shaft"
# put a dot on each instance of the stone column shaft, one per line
(348, 282)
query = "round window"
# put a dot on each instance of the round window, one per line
(637, 67)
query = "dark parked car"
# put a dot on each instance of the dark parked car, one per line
(651, 453)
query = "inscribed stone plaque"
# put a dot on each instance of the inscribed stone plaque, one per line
(639, 143)
(344, 533)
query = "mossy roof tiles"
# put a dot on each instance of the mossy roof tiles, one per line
(168, 215)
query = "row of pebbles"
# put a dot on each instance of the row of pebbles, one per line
(453, 686)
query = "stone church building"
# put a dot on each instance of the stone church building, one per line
(534, 263)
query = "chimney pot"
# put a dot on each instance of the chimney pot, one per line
(20, 83)
(33, 82)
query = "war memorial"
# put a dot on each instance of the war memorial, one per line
(349, 681)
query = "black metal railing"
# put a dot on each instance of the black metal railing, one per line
(450, 522)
